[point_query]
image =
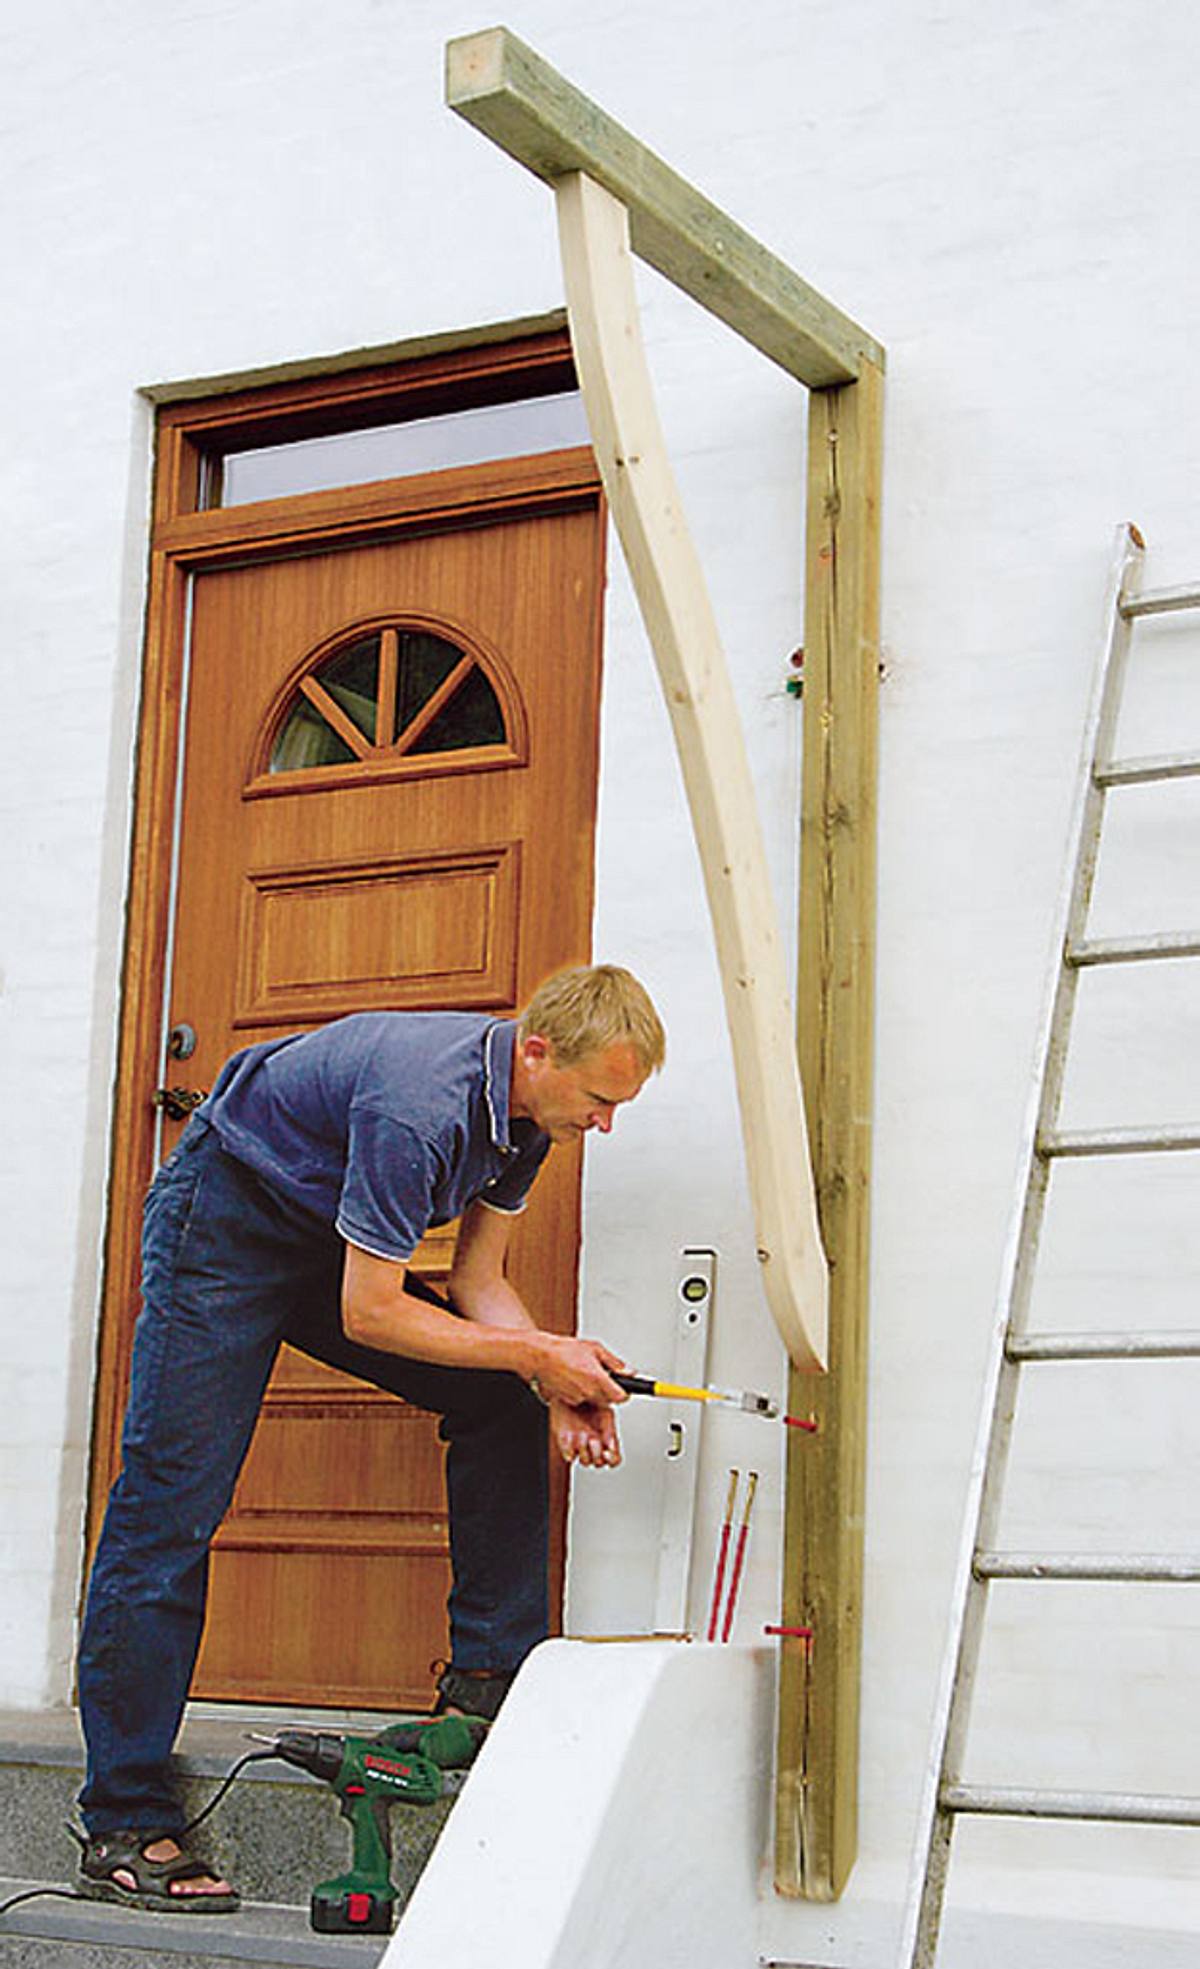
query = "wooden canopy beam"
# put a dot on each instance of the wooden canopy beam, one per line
(516, 99)
(506, 90)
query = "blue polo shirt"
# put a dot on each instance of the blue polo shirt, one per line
(382, 1124)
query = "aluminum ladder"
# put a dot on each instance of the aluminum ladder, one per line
(1013, 1347)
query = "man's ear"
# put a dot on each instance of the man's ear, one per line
(535, 1049)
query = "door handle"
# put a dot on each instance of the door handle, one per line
(181, 1041)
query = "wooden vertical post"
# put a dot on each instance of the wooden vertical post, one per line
(816, 1794)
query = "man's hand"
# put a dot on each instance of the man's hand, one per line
(573, 1371)
(586, 1434)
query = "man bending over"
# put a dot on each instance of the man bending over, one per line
(289, 1210)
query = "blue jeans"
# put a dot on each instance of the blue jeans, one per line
(229, 1269)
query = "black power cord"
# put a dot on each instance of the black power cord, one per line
(251, 1757)
(38, 1894)
(69, 1894)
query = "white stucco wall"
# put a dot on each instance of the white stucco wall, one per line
(1004, 198)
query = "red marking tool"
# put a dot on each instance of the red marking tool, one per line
(739, 1556)
(722, 1556)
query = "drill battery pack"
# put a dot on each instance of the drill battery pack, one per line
(343, 1909)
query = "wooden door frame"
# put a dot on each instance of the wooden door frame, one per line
(188, 538)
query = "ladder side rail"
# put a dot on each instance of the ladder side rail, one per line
(931, 1856)
(968, 1598)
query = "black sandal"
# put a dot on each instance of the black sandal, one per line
(106, 1854)
(475, 1692)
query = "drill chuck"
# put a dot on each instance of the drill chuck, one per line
(317, 1751)
(354, 1766)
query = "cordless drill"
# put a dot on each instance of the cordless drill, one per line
(404, 1764)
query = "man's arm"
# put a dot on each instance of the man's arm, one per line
(479, 1285)
(497, 1331)
(581, 1431)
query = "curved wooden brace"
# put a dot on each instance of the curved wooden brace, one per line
(671, 592)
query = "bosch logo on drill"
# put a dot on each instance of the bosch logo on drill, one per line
(386, 1767)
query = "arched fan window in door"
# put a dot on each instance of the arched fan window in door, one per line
(389, 695)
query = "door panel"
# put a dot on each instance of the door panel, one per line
(437, 926)
(397, 879)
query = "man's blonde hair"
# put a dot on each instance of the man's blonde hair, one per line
(581, 1011)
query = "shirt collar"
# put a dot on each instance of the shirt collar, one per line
(499, 1047)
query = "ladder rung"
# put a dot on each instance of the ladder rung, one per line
(1161, 601)
(1141, 772)
(1133, 950)
(1118, 1141)
(1102, 1346)
(1133, 1568)
(1011, 1802)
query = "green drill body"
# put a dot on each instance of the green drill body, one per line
(368, 1775)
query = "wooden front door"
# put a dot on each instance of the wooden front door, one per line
(388, 793)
